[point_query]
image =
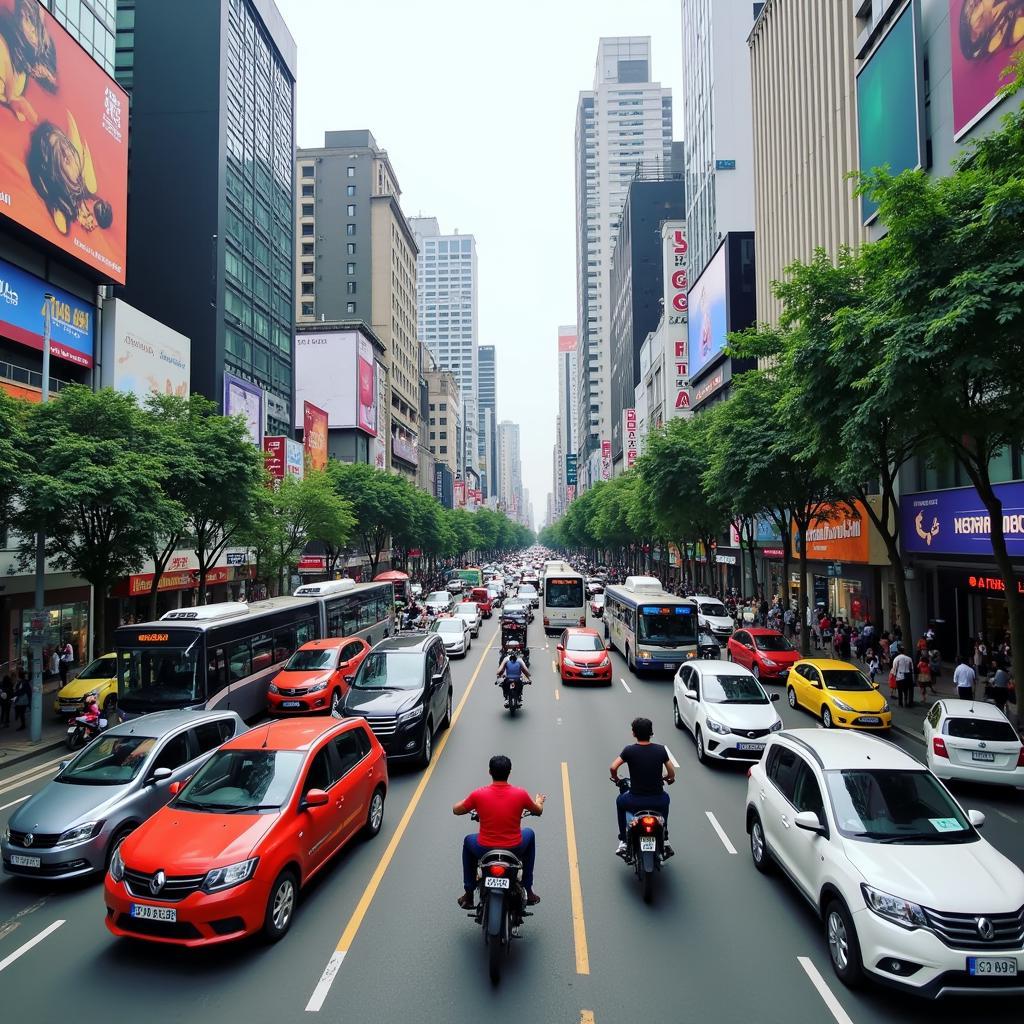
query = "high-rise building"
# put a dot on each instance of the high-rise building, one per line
(487, 400)
(510, 471)
(623, 121)
(447, 319)
(445, 417)
(210, 207)
(566, 435)
(356, 260)
(93, 23)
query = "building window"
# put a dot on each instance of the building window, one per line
(350, 287)
(307, 309)
(350, 229)
(444, 449)
(307, 287)
(307, 209)
(308, 170)
(350, 248)
(307, 268)
(307, 248)
(351, 172)
(350, 190)
(350, 307)
(307, 230)
(350, 268)
(351, 209)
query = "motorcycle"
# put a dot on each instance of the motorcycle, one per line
(645, 844)
(512, 689)
(83, 729)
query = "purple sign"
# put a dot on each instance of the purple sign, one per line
(955, 522)
(244, 399)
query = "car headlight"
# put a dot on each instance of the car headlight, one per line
(233, 874)
(273, 688)
(7, 833)
(841, 704)
(411, 715)
(645, 655)
(316, 687)
(777, 726)
(79, 834)
(117, 866)
(769, 663)
(605, 662)
(714, 726)
(892, 908)
(691, 654)
(885, 706)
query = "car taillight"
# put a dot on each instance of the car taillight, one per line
(498, 870)
(1020, 758)
(939, 747)
(547, 621)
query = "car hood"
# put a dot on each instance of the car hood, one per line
(80, 687)
(59, 805)
(963, 878)
(380, 702)
(860, 700)
(586, 657)
(743, 716)
(182, 842)
(296, 680)
(718, 621)
(780, 657)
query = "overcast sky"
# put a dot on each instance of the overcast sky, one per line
(476, 109)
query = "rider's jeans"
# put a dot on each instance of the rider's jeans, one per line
(472, 851)
(628, 802)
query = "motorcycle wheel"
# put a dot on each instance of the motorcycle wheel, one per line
(494, 960)
(75, 740)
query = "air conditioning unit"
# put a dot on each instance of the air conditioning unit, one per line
(643, 584)
(207, 612)
(324, 589)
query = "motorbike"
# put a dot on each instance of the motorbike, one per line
(513, 633)
(83, 729)
(645, 844)
(512, 689)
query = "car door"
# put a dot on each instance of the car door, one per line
(355, 780)
(175, 753)
(814, 689)
(801, 685)
(739, 649)
(801, 849)
(776, 798)
(688, 705)
(560, 650)
(321, 828)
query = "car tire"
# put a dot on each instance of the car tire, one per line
(629, 660)
(447, 720)
(791, 697)
(843, 947)
(119, 837)
(826, 716)
(284, 894)
(698, 739)
(374, 814)
(759, 852)
(427, 749)
(677, 719)
(335, 707)
(755, 671)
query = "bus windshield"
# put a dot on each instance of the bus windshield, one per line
(153, 678)
(563, 593)
(666, 627)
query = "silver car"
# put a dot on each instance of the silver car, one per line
(72, 826)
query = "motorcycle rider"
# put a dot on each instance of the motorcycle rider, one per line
(499, 807)
(646, 792)
(511, 670)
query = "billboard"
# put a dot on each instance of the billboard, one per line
(840, 537)
(335, 371)
(459, 490)
(142, 356)
(630, 437)
(404, 445)
(367, 400)
(675, 285)
(606, 460)
(708, 325)
(570, 469)
(63, 140)
(244, 399)
(293, 460)
(72, 320)
(984, 38)
(314, 437)
(379, 445)
(274, 454)
(955, 522)
(890, 110)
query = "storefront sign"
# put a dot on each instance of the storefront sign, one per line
(955, 522)
(725, 559)
(236, 558)
(986, 583)
(709, 387)
(313, 563)
(136, 586)
(841, 536)
(773, 553)
(630, 437)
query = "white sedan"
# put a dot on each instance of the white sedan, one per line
(726, 710)
(454, 634)
(470, 611)
(973, 742)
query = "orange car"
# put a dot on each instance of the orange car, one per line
(583, 657)
(229, 854)
(316, 676)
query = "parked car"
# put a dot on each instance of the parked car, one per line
(470, 611)
(230, 854)
(713, 616)
(726, 710)
(440, 602)
(838, 693)
(766, 652)
(404, 691)
(72, 826)
(908, 891)
(972, 741)
(99, 677)
(597, 605)
(482, 597)
(582, 657)
(454, 633)
(316, 676)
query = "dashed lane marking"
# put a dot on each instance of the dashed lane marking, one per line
(23, 949)
(827, 995)
(579, 928)
(625, 685)
(726, 842)
(21, 799)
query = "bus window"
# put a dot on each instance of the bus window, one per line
(215, 675)
(367, 612)
(284, 643)
(304, 632)
(239, 660)
(262, 652)
(383, 607)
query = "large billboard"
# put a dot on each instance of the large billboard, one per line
(956, 522)
(676, 284)
(142, 356)
(241, 398)
(335, 371)
(63, 140)
(22, 301)
(708, 324)
(314, 437)
(984, 37)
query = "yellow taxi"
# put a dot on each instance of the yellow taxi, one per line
(100, 678)
(838, 693)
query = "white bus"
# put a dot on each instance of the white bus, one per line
(563, 597)
(347, 608)
(651, 629)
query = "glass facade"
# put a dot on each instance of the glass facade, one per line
(92, 23)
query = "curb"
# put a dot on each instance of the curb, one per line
(43, 748)
(909, 733)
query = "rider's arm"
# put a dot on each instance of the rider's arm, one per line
(501, 667)
(464, 806)
(536, 806)
(670, 772)
(614, 769)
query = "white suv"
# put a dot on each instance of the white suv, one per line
(909, 892)
(971, 741)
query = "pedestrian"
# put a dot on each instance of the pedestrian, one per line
(935, 660)
(980, 657)
(54, 662)
(1000, 687)
(873, 665)
(964, 679)
(844, 643)
(22, 699)
(903, 670)
(6, 696)
(924, 673)
(67, 656)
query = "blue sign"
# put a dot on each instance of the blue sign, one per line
(72, 321)
(956, 522)
(660, 609)
(725, 165)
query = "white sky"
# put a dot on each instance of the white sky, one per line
(476, 109)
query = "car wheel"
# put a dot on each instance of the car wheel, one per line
(759, 847)
(826, 716)
(427, 750)
(702, 754)
(629, 660)
(374, 814)
(843, 947)
(791, 697)
(756, 671)
(280, 906)
(447, 720)
(677, 719)
(336, 704)
(119, 837)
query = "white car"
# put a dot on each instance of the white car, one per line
(440, 602)
(714, 617)
(456, 586)
(470, 611)
(909, 892)
(726, 710)
(973, 742)
(454, 634)
(528, 592)
(416, 589)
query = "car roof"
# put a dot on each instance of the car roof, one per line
(326, 643)
(761, 631)
(727, 668)
(827, 663)
(582, 631)
(844, 748)
(408, 642)
(956, 708)
(288, 733)
(158, 723)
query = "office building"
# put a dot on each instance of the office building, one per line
(487, 438)
(566, 433)
(93, 23)
(625, 120)
(444, 415)
(510, 471)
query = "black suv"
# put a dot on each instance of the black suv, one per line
(404, 691)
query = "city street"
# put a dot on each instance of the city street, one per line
(379, 938)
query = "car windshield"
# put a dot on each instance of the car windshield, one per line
(101, 668)
(893, 806)
(526, 591)
(667, 627)
(714, 608)
(769, 642)
(980, 729)
(390, 670)
(846, 679)
(438, 597)
(466, 608)
(732, 689)
(233, 780)
(109, 761)
(150, 678)
(448, 626)
(309, 660)
(583, 642)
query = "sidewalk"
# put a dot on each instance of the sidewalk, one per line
(15, 746)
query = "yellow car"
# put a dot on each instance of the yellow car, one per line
(838, 693)
(100, 678)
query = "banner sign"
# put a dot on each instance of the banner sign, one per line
(242, 398)
(675, 273)
(955, 522)
(606, 460)
(630, 437)
(314, 437)
(570, 469)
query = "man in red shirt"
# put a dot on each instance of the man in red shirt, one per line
(500, 809)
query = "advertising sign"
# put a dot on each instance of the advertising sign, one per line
(246, 400)
(570, 492)
(955, 522)
(843, 537)
(707, 326)
(334, 371)
(142, 356)
(403, 445)
(379, 445)
(606, 460)
(630, 437)
(570, 469)
(984, 37)
(63, 140)
(676, 283)
(293, 460)
(22, 300)
(274, 453)
(314, 437)
(312, 564)
(459, 488)
(367, 409)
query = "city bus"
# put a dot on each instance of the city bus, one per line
(347, 608)
(651, 629)
(472, 577)
(563, 598)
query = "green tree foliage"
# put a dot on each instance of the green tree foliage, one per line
(15, 457)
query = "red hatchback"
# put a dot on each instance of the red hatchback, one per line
(228, 856)
(583, 657)
(766, 652)
(316, 677)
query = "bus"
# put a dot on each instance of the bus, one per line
(472, 577)
(347, 608)
(563, 598)
(651, 629)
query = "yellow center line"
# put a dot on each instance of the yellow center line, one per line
(579, 928)
(556, 694)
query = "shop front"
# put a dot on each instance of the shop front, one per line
(66, 619)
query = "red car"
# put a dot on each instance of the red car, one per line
(766, 652)
(316, 676)
(229, 854)
(482, 596)
(583, 657)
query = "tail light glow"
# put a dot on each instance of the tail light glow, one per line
(498, 870)
(1020, 758)
(939, 747)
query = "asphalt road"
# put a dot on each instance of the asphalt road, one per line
(720, 943)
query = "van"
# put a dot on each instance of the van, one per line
(482, 596)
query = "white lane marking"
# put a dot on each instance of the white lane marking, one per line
(37, 774)
(323, 986)
(672, 758)
(21, 950)
(22, 799)
(626, 685)
(12, 923)
(32, 771)
(828, 997)
(721, 833)
(1002, 814)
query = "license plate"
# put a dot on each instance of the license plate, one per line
(983, 755)
(670, 665)
(154, 913)
(870, 721)
(750, 746)
(992, 966)
(21, 861)
(586, 672)
(648, 844)
(495, 883)
(291, 703)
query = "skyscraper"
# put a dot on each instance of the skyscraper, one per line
(567, 439)
(487, 399)
(93, 23)
(625, 120)
(510, 472)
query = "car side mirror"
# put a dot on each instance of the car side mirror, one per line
(809, 822)
(159, 775)
(692, 694)
(314, 798)
(774, 698)
(559, 647)
(976, 818)
(348, 679)
(437, 677)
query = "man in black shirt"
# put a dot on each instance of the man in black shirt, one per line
(645, 761)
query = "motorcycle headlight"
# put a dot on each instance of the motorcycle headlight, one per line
(717, 727)
(232, 875)
(79, 834)
(117, 866)
(841, 704)
(273, 688)
(892, 908)
(777, 726)
(411, 715)
(316, 687)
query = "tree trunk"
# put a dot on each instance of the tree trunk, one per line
(201, 597)
(99, 619)
(801, 603)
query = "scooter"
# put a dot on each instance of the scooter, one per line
(83, 729)
(512, 690)
(645, 844)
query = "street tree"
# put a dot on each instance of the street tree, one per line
(15, 453)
